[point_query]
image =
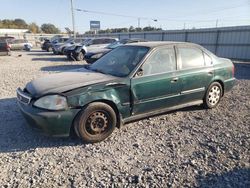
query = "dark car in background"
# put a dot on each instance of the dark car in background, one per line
(92, 55)
(77, 52)
(46, 45)
(4, 47)
(131, 82)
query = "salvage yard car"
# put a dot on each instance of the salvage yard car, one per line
(4, 47)
(131, 82)
(58, 49)
(92, 55)
(18, 44)
(77, 52)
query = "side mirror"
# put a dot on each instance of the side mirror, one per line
(139, 72)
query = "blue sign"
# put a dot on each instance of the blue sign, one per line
(95, 25)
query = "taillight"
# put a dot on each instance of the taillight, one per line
(233, 70)
(7, 46)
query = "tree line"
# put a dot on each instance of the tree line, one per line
(52, 29)
(32, 27)
(125, 30)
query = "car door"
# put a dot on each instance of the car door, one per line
(155, 85)
(193, 72)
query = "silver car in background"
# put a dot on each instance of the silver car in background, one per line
(18, 44)
(58, 49)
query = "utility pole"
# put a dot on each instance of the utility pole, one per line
(139, 22)
(216, 25)
(73, 18)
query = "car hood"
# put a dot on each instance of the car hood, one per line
(65, 81)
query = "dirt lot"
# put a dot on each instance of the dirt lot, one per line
(191, 147)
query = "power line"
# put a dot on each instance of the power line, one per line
(114, 14)
(155, 19)
(169, 19)
(221, 9)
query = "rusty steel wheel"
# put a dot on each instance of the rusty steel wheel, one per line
(95, 122)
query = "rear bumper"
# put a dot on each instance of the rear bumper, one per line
(52, 123)
(228, 84)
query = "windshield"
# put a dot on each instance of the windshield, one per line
(120, 61)
(70, 40)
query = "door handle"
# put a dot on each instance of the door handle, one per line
(174, 80)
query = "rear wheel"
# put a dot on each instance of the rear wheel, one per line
(213, 95)
(96, 122)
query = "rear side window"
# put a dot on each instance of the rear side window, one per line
(190, 57)
(208, 60)
(97, 41)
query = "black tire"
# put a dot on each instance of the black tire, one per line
(213, 95)
(62, 51)
(80, 56)
(95, 122)
(69, 58)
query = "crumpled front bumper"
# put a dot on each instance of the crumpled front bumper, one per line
(53, 123)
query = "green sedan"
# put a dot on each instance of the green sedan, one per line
(131, 82)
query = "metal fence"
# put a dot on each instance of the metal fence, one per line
(229, 42)
(32, 38)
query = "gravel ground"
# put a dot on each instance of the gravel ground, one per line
(191, 147)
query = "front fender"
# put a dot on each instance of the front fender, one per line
(118, 95)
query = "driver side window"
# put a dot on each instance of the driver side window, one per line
(162, 60)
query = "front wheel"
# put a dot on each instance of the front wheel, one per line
(49, 49)
(213, 95)
(95, 122)
(80, 56)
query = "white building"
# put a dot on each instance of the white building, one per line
(13, 31)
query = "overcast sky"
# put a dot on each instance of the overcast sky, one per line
(170, 14)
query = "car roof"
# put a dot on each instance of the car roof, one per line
(153, 44)
(104, 38)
